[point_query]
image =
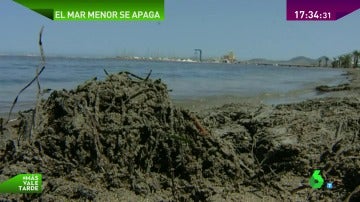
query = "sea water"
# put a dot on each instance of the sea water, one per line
(186, 80)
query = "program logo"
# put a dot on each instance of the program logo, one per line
(23, 183)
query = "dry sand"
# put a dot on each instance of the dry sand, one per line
(123, 140)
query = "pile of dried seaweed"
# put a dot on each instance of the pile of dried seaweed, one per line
(283, 145)
(122, 132)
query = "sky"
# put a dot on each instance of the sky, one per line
(249, 28)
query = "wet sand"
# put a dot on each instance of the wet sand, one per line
(232, 151)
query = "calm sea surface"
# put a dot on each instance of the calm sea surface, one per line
(187, 80)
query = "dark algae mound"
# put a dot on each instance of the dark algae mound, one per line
(121, 133)
(121, 139)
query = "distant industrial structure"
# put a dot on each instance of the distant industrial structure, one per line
(227, 58)
(200, 53)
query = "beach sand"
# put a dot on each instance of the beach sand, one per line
(207, 150)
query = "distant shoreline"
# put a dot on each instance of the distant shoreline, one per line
(308, 62)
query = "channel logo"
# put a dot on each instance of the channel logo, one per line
(317, 181)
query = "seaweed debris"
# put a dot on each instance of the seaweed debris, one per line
(121, 132)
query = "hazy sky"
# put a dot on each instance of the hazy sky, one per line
(250, 28)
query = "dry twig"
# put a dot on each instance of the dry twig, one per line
(356, 190)
(34, 79)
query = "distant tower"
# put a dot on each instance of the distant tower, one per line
(200, 54)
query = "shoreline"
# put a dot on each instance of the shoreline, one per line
(292, 97)
(203, 103)
(352, 87)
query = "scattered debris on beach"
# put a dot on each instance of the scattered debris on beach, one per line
(122, 139)
(286, 143)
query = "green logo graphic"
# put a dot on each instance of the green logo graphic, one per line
(97, 10)
(23, 183)
(316, 181)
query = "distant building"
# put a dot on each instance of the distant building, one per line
(229, 58)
